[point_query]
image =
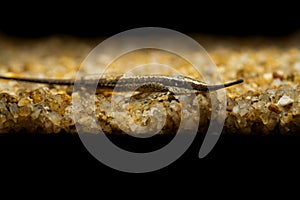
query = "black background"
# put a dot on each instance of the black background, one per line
(236, 158)
(32, 19)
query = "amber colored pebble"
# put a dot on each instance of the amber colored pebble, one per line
(275, 108)
(278, 75)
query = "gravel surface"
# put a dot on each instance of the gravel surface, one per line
(268, 102)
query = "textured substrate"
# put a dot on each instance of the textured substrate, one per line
(268, 102)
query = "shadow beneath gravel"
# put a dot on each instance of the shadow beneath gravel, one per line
(232, 152)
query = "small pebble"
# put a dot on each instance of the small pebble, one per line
(285, 100)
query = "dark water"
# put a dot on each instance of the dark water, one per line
(90, 19)
(25, 154)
